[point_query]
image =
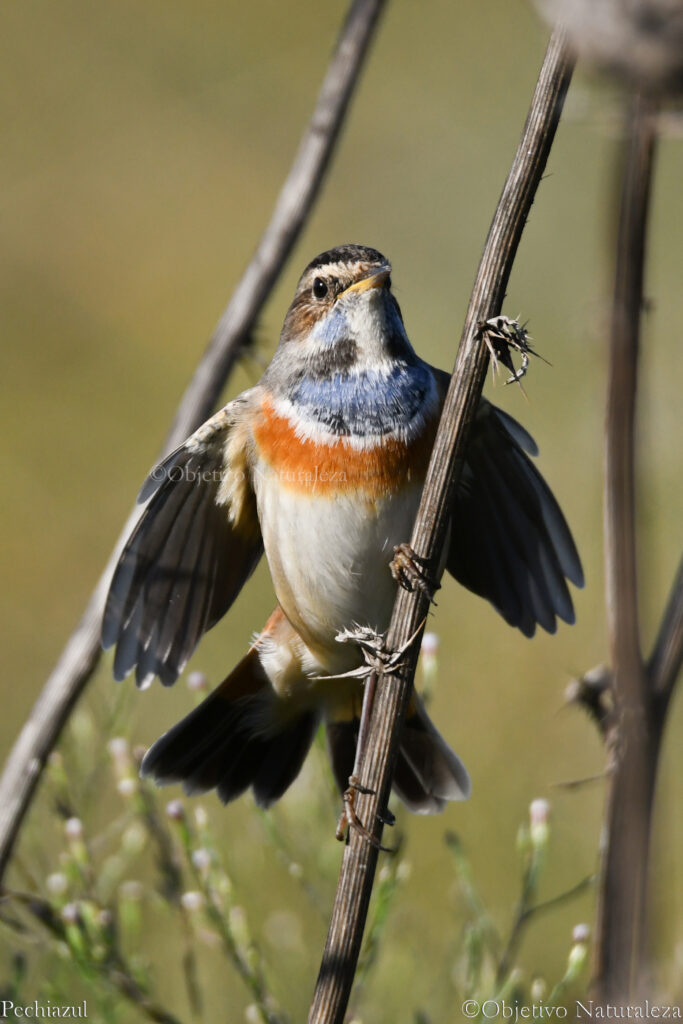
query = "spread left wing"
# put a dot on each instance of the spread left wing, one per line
(510, 542)
(194, 547)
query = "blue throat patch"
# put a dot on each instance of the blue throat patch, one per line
(370, 402)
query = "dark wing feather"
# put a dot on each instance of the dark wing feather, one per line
(510, 542)
(195, 545)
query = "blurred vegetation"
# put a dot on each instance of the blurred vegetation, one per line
(95, 886)
(143, 147)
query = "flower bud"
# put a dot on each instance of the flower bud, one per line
(73, 828)
(192, 900)
(175, 810)
(404, 871)
(201, 859)
(578, 954)
(429, 660)
(118, 748)
(197, 682)
(69, 913)
(57, 883)
(201, 818)
(430, 645)
(78, 851)
(127, 786)
(538, 990)
(539, 830)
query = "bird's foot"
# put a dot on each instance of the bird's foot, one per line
(349, 819)
(408, 569)
(375, 655)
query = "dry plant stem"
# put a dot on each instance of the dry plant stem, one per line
(81, 654)
(411, 608)
(637, 733)
(525, 912)
(290, 214)
(665, 661)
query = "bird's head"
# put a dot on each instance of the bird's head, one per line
(344, 317)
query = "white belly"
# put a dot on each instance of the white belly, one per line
(329, 559)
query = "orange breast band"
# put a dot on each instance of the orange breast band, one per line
(337, 467)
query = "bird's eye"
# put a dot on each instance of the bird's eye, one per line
(319, 288)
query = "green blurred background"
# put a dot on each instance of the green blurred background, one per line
(143, 147)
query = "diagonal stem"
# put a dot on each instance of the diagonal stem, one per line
(359, 862)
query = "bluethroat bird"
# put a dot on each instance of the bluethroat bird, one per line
(321, 466)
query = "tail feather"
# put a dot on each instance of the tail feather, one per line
(427, 774)
(283, 759)
(244, 735)
(342, 737)
(236, 738)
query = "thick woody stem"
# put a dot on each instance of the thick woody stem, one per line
(636, 734)
(410, 610)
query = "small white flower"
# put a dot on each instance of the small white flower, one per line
(430, 644)
(126, 786)
(539, 811)
(118, 748)
(197, 682)
(57, 883)
(201, 817)
(70, 913)
(539, 814)
(201, 859)
(73, 828)
(192, 900)
(175, 810)
(404, 871)
(539, 990)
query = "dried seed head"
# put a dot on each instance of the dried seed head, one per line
(641, 41)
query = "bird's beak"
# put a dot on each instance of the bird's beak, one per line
(376, 280)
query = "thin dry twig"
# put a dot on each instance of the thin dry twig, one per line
(637, 730)
(393, 689)
(79, 658)
(525, 912)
